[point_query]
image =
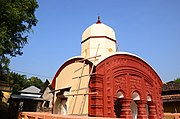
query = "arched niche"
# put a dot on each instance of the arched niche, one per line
(120, 94)
(148, 98)
(135, 96)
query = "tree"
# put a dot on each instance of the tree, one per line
(35, 81)
(177, 80)
(16, 20)
(18, 82)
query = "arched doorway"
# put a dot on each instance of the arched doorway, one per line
(134, 109)
(118, 104)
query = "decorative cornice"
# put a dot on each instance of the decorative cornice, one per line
(98, 37)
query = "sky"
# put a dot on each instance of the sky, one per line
(147, 28)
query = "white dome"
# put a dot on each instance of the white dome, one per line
(98, 39)
(99, 29)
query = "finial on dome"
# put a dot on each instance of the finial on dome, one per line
(98, 21)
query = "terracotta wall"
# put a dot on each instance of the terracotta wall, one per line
(129, 75)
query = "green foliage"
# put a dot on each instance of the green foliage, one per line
(20, 82)
(35, 81)
(16, 21)
(177, 80)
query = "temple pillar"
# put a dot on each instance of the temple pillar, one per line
(142, 113)
(126, 110)
(152, 110)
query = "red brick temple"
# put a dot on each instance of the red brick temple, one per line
(130, 79)
(104, 82)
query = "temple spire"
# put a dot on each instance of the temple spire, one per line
(98, 21)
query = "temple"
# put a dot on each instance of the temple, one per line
(104, 82)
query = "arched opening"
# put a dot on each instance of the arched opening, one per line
(149, 98)
(120, 95)
(147, 105)
(118, 104)
(134, 109)
(135, 96)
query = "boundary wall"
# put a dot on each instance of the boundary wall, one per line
(41, 115)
